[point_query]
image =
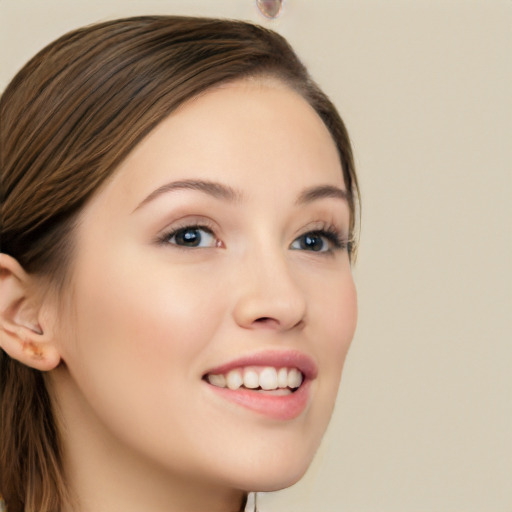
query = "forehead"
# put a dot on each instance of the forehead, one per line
(254, 135)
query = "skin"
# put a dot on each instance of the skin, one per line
(147, 318)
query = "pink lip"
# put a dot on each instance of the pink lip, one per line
(283, 407)
(278, 359)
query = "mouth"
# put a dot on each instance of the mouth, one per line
(273, 384)
(264, 379)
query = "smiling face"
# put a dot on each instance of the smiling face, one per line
(215, 256)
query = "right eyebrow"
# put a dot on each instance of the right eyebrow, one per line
(212, 188)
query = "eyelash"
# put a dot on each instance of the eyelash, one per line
(164, 238)
(332, 234)
(329, 232)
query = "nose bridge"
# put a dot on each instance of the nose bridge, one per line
(270, 294)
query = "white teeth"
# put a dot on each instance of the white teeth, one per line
(282, 378)
(268, 378)
(217, 380)
(234, 379)
(251, 379)
(294, 378)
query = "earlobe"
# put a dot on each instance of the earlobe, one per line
(21, 335)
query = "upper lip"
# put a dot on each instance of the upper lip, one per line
(275, 358)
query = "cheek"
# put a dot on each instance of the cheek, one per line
(145, 305)
(136, 353)
(337, 313)
(140, 331)
(336, 317)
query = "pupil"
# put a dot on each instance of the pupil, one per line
(190, 237)
(312, 242)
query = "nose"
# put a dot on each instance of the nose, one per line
(269, 295)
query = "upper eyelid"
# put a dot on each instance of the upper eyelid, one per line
(333, 236)
(191, 221)
(198, 227)
(316, 226)
(321, 225)
(185, 222)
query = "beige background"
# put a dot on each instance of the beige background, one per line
(424, 419)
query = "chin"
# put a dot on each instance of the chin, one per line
(273, 474)
(272, 482)
(281, 482)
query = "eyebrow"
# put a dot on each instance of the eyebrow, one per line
(211, 188)
(221, 191)
(322, 192)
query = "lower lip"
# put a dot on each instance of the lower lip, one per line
(284, 407)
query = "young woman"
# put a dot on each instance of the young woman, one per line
(176, 297)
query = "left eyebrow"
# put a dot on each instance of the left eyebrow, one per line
(321, 192)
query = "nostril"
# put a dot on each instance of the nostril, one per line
(274, 323)
(266, 321)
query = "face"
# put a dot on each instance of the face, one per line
(215, 256)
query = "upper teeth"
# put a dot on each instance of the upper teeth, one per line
(253, 377)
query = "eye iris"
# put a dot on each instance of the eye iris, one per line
(190, 237)
(312, 242)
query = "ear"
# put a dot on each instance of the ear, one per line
(22, 334)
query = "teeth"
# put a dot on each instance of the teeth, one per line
(282, 378)
(251, 379)
(234, 379)
(294, 378)
(217, 380)
(267, 378)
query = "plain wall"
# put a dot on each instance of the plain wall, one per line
(424, 417)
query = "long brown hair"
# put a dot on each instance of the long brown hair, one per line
(67, 120)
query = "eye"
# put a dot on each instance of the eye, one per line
(318, 241)
(191, 236)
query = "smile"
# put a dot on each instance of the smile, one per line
(273, 384)
(265, 378)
